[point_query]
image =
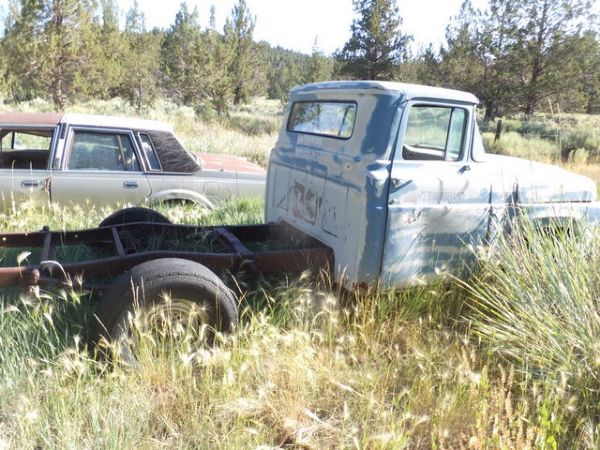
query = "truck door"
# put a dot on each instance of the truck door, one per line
(101, 166)
(439, 200)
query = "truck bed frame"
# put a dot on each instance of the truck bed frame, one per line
(265, 248)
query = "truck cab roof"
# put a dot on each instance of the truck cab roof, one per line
(405, 90)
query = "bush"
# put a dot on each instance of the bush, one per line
(511, 125)
(583, 137)
(547, 130)
(513, 144)
(536, 304)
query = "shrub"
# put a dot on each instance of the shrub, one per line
(536, 304)
(513, 144)
(583, 137)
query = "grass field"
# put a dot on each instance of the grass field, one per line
(509, 359)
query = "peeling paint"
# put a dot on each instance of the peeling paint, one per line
(406, 222)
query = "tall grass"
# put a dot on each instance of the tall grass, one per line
(302, 371)
(536, 306)
(309, 367)
(505, 360)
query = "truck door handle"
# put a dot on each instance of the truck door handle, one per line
(130, 184)
(32, 183)
(465, 168)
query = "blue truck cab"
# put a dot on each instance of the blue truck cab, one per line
(394, 178)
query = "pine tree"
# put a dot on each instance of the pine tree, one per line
(320, 67)
(109, 52)
(546, 57)
(181, 53)
(589, 63)
(377, 47)
(286, 70)
(66, 56)
(142, 60)
(426, 67)
(238, 31)
(582, 92)
(501, 86)
(461, 66)
(21, 46)
(217, 83)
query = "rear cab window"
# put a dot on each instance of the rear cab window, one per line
(323, 118)
(435, 133)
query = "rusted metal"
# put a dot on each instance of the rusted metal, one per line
(30, 119)
(118, 244)
(308, 254)
(47, 250)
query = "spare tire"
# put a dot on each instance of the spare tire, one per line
(134, 214)
(165, 292)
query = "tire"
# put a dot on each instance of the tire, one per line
(165, 292)
(134, 214)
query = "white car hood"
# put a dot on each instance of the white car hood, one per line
(542, 183)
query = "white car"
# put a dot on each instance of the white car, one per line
(106, 160)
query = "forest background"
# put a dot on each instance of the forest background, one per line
(517, 56)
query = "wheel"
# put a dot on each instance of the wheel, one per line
(165, 295)
(134, 214)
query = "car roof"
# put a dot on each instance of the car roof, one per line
(33, 119)
(96, 120)
(115, 122)
(406, 90)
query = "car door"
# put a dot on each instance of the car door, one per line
(99, 166)
(24, 173)
(439, 200)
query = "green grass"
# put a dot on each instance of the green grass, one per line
(437, 366)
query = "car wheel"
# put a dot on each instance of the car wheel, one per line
(162, 298)
(134, 214)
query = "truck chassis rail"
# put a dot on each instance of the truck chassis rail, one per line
(281, 248)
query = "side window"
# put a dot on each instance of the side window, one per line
(25, 149)
(149, 152)
(102, 151)
(434, 133)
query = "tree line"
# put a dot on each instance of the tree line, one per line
(515, 55)
(74, 50)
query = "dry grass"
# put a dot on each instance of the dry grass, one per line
(301, 373)
(308, 367)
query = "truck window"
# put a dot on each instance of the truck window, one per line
(434, 133)
(331, 119)
(102, 151)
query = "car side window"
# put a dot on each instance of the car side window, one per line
(434, 133)
(25, 148)
(102, 151)
(150, 152)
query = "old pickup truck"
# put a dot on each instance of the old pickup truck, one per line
(105, 160)
(378, 182)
